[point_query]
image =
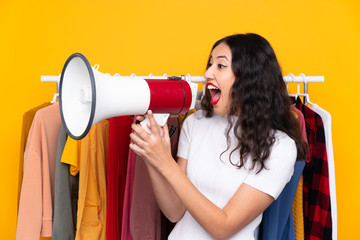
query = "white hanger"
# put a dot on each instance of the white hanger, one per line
(298, 86)
(200, 93)
(56, 95)
(305, 95)
(298, 94)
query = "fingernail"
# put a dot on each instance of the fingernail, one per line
(149, 112)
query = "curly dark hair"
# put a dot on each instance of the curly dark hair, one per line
(260, 99)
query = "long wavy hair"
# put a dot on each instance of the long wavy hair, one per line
(259, 97)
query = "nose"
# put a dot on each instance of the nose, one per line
(209, 74)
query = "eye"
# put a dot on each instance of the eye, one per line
(209, 64)
(221, 66)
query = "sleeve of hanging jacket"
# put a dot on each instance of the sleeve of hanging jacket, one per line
(30, 205)
(35, 206)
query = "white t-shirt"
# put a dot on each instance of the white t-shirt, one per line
(202, 140)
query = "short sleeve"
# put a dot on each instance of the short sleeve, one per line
(184, 139)
(279, 167)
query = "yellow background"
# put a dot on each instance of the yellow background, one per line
(150, 36)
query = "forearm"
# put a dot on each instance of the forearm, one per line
(167, 200)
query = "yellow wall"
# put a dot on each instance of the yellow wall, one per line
(151, 36)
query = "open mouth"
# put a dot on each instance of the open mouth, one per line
(215, 93)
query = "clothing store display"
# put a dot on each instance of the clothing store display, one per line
(174, 140)
(217, 179)
(97, 188)
(166, 225)
(91, 215)
(145, 217)
(277, 222)
(297, 205)
(298, 212)
(326, 117)
(130, 172)
(317, 207)
(65, 195)
(146, 220)
(37, 192)
(125, 228)
(71, 156)
(181, 117)
(26, 124)
(301, 120)
(119, 139)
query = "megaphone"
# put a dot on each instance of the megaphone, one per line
(87, 96)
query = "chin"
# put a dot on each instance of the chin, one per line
(219, 111)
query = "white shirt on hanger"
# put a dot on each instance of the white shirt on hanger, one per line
(326, 118)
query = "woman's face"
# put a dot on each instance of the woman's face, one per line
(220, 78)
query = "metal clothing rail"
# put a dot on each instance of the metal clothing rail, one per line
(291, 78)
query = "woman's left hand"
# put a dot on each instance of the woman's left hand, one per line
(154, 147)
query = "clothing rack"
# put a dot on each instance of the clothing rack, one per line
(291, 78)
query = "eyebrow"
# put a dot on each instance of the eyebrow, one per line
(221, 56)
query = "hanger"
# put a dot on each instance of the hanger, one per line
(298, 86)
(298, 94)
(56, 95)
(200, 93)
(306, 95)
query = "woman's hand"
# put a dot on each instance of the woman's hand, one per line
(140, 118)
(154, 147)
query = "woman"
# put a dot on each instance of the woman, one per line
(235, 155)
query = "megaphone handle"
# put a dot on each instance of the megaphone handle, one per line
(160, 118)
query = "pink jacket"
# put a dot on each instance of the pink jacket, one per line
(37, 192)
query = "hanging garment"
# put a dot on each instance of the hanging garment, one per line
(317, 208)
(91, 215)
(119, 139)
(181, 117)
(71, 155)
(166, 225)
(27, 121)
(174, 121)
(326, 117)
(278, 222)
(125, 228)
(37, 192)
(297, 206)
(145, 218)
(65, 196)
(298, 211)
(146, 221)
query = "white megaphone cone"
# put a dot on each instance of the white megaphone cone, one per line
(87, 96)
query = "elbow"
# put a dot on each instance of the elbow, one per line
(175, 216)
(173, 219)
(220, 236)
(222, 232)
